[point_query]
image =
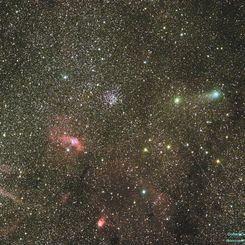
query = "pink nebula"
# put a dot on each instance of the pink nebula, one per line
(70, 141)
(4, 168)
(10, 195)
(101, 222)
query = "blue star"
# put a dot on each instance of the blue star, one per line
(215, 94)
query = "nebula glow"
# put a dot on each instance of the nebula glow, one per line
(101, 222)
(73, 142)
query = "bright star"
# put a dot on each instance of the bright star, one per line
(143, 192)
(65, 77)
(215, 94)
(177, 100)
(217, 161)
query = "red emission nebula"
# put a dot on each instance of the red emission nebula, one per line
(65, 141)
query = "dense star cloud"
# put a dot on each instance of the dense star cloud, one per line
(122, 122)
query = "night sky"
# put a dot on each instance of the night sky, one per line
(122, 122)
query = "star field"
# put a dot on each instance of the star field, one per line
(122, 122)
